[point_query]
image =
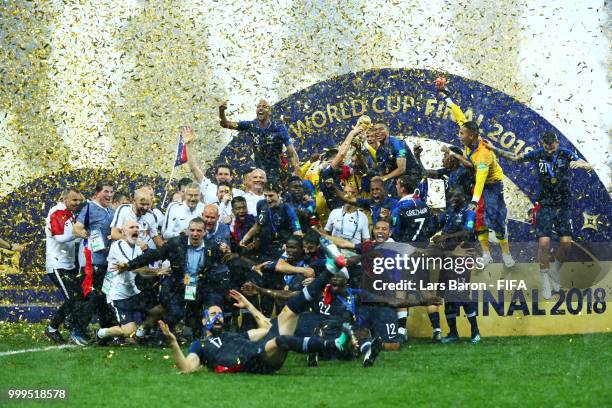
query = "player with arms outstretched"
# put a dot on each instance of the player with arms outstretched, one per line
(554, 164)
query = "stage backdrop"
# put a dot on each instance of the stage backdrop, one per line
(319, 117)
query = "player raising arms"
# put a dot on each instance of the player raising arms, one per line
(268, 138)
(554, 163)
(488, 191)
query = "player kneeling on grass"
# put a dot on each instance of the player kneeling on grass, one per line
(120, 288)
(262, 350)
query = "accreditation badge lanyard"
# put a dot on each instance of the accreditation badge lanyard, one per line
(108, 277)
(551, 168)
(96, 240)
(212, 234)
(191, 281)
(356, 224)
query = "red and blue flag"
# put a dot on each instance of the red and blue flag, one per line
(181, 152)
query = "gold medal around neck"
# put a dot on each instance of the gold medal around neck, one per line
(553, 180)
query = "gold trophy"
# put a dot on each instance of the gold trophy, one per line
(364, 122)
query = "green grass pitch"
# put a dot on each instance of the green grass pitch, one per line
(571, 370)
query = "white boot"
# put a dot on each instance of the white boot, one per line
(555, 276)
(546, 291)
(486, 259)
(508, 260)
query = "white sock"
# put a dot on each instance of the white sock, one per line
(543, 271)
(140, 332)
(102, 333)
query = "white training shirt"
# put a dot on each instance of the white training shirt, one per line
(60, 245)
(252, 200)
(353, 226)
(146, 222)
(209, 191)
(177, 219)
(159, 218)
(123, 285)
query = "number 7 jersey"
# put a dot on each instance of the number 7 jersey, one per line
(412, 220)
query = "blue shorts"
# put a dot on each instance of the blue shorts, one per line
(554, 218)
(495, 211)
(382, 322)
(125, 309)
(272, 333)
(307, 323)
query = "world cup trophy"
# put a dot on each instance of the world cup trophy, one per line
(365, 123)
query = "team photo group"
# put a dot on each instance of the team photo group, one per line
(232, 276)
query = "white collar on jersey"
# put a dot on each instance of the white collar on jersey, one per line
(202, 244)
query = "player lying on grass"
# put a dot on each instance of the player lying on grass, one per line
(262, 350)
(360, 309)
